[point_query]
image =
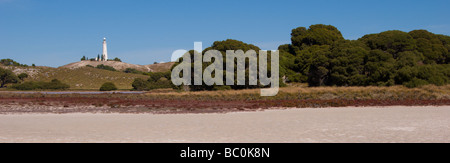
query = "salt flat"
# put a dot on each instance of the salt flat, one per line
(351, 124)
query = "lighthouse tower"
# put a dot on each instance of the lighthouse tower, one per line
(105, 51)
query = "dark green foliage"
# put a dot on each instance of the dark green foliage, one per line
(53, 85)
(108, 86)
(316, 35)
(378, 68)
(156, 76)
(157, 80)
(392, 42)
(415, 82)
(105, 67)
(83, 58)
(22, 76)
(162, 83)
(133, 71)
(318, 66)
(7, 77)
(10, 62)
(117, 59)
(140, 84)
(320, 56)
(231, 44)
(223, 46)
(433, 47)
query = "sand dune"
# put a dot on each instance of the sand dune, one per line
(371, 124)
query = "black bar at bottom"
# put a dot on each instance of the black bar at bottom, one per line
(216, 152)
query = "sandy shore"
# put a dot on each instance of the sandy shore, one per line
(351, 124)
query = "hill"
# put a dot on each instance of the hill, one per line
(84, 77)
(117, 65)
(161, 67)
(81, 77)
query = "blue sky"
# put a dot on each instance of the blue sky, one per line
(58, 32)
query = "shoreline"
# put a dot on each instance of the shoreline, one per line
(170, 102)
(274, 109)
(49, 110)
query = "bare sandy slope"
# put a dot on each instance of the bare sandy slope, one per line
(160, 67)
(117, 65)
(387, 124)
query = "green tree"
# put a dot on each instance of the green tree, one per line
(223, 46)
(378, 68)
(318, 34)
(392, 42)
(6, 77)
(319, 66)
(83, 58)
(10, 62)
(140, 84)
(117, 59)
(155, 76)
(22, 76)
(346, 64)
(320, 56)
(431, 46)
(108, 86)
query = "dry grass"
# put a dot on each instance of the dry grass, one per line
(287, 93)
(170, 101)
(86, 78)
(320, 93)
(161, 67)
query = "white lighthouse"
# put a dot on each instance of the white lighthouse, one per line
(105, 51)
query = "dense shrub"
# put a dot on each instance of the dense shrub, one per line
(156, 80)
(108, 86)
(140, 84)
(22, 76)
(117, 59)
(31, 85)
(10, 62)
(133, 71)
(105, 67)
(7, 77)
(320, 56)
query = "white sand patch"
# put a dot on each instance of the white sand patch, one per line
(352, 124)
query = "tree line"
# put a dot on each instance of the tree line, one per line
(320, 56)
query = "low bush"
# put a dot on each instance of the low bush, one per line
(133, 71)
(105, 67)
(31, 85)
(108, 86)
(157, 80)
